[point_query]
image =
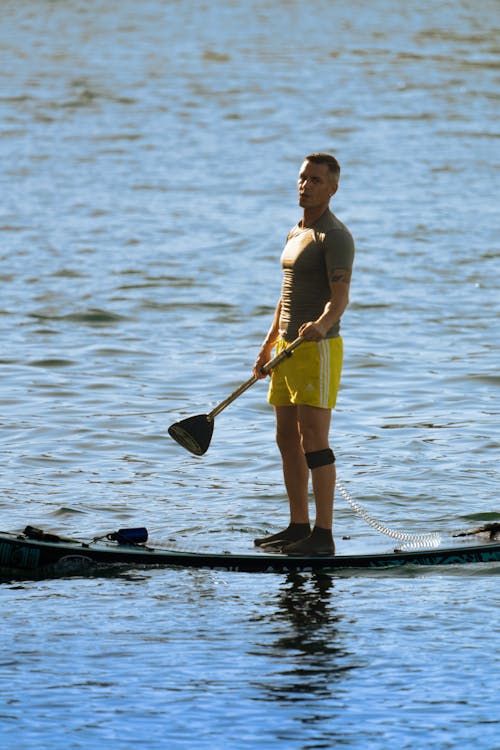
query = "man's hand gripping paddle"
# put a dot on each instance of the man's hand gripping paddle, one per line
(195, 433)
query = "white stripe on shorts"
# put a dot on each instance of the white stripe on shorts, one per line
(324, 372)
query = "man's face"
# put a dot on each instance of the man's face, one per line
(315, 185)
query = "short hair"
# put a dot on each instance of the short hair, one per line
(330, 161)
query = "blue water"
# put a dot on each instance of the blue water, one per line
(149, 158)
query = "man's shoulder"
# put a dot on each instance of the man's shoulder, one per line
(328, 222)
(336, 240)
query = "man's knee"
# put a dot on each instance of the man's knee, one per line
(288, 441)
(314, 425)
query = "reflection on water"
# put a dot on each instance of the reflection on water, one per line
(306, 603)
(305, 646)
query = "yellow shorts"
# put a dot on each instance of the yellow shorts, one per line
(311, 376)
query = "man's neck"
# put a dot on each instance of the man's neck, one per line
(311, 216)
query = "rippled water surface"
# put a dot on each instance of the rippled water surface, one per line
(149, 156)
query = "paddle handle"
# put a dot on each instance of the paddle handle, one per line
(287, 352)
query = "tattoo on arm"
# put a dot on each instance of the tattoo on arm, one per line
(340, 274)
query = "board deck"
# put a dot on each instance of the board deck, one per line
(52, 556)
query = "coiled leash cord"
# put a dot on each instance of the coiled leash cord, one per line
(411, 541)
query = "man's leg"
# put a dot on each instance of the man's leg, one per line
(295, 475)
(295, 470)
(314, 425)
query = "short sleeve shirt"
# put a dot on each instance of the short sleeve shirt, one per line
(309, 256)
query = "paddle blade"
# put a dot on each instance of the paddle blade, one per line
(193, 433)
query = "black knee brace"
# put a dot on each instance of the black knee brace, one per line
(320, 458)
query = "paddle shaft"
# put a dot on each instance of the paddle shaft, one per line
(248, 384)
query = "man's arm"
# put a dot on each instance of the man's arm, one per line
(266, 349)
(340, 281)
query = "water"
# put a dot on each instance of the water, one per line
(149, 157)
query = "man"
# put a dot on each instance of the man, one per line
(317, 262)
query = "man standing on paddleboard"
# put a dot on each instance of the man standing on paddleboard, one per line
(317, 264)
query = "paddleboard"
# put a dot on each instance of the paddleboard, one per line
(37, 554)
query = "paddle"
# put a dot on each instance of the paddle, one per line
(195, 433)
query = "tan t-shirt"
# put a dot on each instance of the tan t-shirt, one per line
(308, 258)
